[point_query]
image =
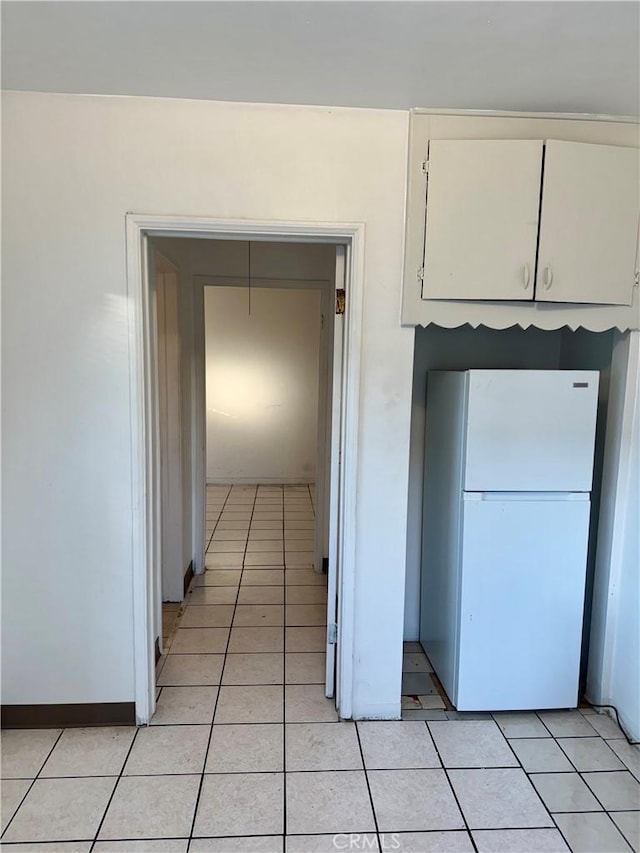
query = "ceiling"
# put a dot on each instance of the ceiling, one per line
(544, 56)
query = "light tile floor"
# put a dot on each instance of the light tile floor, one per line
(245, 753)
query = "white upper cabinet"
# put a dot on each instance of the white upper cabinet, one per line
(483, 201)
(589, 223)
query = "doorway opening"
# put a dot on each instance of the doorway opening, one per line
(225, 519)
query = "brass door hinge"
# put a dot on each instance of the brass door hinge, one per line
(340, 300)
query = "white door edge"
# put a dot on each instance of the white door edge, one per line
(144, 552)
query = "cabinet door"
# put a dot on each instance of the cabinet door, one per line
(483, 198)
(589, 223)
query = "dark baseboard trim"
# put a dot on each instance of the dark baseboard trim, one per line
(188, 576)
(325, 565)
(86, 714)
(158, 652)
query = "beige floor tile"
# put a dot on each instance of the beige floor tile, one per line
(259, 535)
(312, 639)
(24, 751)
(183, 670)
(207, 616)
(246, 749)
(51, 847)
(212, 595)
(296, 533)
(541, 755)
(261, 545)
(298, 524)
(223, 561)
(472, 743)
(229, 536)
(226, 546)
(306, 703)
(299, 559)
(330, 843)
(261, 594)
(12, 791)
(185, 705)
(307, 594)
(225, 524)
(565, 792)
(258, 615)
(160, 750)
(334, 801)
(591, 833)
(567, 724)
(254, 668)
(264, 558)
(149, 845)
(519, 841)
(151, 807)
(256, 704)
(605, 726)
(628, 754)
(241, 804)
(629, 825)
(397, 745)
(305, 668)
(298, 544)
(451, 841)
(617, 791)
(498, 799)
(306, 614)
(240, 844)
(413, 800)
(322, 746)
(590, 753)
(189, 641)
(263, 577)
(304, 577)
(256, 639)
(90, 752)
(266, 524)
(521, 724)
(218, 577)
(61, 809)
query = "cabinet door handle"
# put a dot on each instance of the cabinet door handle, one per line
(526, 276)
(548, 277)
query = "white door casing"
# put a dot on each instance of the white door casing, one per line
(144, 435)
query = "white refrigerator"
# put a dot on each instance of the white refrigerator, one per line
(508, 475)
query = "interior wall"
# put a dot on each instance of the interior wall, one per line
(583, 350)
(457, 349)
(262, 372)
(73, 166)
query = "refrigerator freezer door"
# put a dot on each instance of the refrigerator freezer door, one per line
(522, 596)
(530, 430)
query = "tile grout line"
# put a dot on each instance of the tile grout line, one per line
(224, 663)
(32, 783)
(452, 789)
(284, 680)
(366, 779)
(115, 788)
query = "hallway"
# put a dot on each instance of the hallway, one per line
(244, 753)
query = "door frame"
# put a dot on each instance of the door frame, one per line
(142, 370)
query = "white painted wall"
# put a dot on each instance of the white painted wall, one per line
(262, 371)
(72, 167)
(614, 659)
(457, 349)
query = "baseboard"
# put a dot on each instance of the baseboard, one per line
(188, 576)
(84, 714)
(157, 649)
(262, 481)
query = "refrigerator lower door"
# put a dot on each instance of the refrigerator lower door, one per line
(522, 583)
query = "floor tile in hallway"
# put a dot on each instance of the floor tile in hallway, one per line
(246, 754)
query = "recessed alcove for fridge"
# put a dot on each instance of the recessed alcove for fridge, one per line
(463, 348)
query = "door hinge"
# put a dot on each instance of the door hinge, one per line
(332, 634)
(425, 167)
(340, 301)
